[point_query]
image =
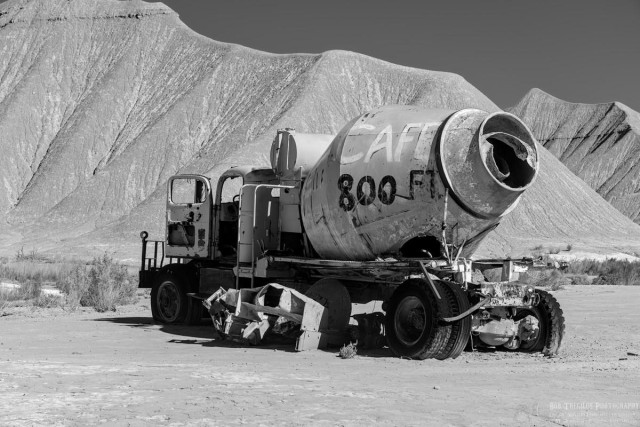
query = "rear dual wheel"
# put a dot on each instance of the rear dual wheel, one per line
(414, 325)
(458, 303)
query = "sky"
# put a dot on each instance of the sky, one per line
(577, 50)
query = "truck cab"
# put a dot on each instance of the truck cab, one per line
(213, 240)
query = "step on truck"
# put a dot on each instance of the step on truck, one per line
(391, 209)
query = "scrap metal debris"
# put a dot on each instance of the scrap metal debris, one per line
(247, 315)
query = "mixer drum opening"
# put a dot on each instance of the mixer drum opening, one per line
(507, 160)
(508, 150)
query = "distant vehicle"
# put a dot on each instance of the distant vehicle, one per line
(391, 209)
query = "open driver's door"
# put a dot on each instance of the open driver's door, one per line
(189, 209)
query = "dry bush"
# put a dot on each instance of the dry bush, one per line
(75, 286)
(32, 256)
(5, 300)
(29, 292)
(348, 351)
(608, 272)
(103, 285)
(493, 274)
(31, 289)
(49, 301)
(37, 271)
(580, 279)
(26, 291)
(552, 279)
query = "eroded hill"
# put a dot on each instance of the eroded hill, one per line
(598, 142)
(102, 100)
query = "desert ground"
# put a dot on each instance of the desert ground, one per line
(88, 368)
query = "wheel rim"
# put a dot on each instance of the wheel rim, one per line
(168, 301)
(531, 343)
(410, 320)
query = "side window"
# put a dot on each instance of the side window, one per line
(230, 199)
(187, 191)
(231, 189)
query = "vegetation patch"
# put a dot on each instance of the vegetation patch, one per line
(103, 285)
(32, 280)
(608, 272)
(348, 351)
(552, 279)
(584, 272)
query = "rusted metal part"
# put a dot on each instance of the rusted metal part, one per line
(188, 216)
(246, 315)
(480, 159)
(391, 271)
(497, 327)
(430, 280)
(506, 294)
(384, 179)
(495, 332)
(467, 312)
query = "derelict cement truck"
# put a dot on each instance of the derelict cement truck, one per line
(391, 209)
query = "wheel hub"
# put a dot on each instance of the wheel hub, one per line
(410, 320)
(529, 328)
(168, 301)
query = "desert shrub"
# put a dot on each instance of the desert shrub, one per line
(31, 289)
(38, 271)
(348, 351)
(493, 274)
(75, 286)
(5, 300)
(580, 279)
(30, 256)
(30, 292)
(25, 291)
(552, 279)
(49, 301)
(608, 272)
(103, 285)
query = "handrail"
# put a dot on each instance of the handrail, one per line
(258, 187)
(148, 262)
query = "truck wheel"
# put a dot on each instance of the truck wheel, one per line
(461, 329)
(334, 296)
(550, 324)
(411, 322)
(195, 311)
(168, 300)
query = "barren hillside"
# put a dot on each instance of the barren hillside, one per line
(598, 142)
(102, 100)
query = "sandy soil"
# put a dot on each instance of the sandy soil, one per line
(120, 369)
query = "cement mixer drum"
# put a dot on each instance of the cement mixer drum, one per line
(380, 187)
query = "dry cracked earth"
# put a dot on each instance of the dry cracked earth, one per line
(120, 368)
